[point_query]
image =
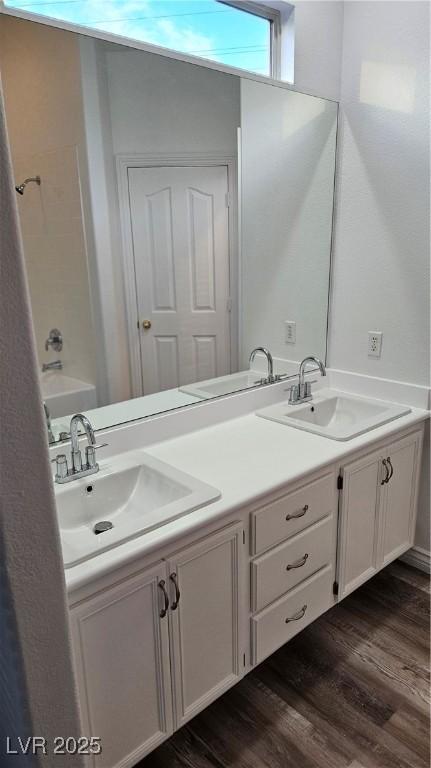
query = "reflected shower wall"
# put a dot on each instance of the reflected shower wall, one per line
(46, 130)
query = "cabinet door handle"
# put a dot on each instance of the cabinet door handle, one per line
(297, 616)
(164, 610)
(173, 578)
(298, 563)
(391, 468)
(386, 479)
(300, 513)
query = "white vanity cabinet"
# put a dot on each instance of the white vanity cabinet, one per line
(156, 648)
(398, 497)
(206, 648)
(121, 649)
(377, 509)
(292, 579)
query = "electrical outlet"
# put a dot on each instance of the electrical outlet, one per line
(375, 343)
(290, 332)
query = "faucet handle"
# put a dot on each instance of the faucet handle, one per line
(61, 468)
(102, 445)
(307, 387)
(90, 454)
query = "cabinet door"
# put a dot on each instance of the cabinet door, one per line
(121, 649)
(359, 522)
(399, 497)
(205, 626)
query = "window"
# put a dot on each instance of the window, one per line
(237, 33)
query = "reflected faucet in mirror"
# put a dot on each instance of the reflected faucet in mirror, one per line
(51, 438)
(56, 365)
(270, 378)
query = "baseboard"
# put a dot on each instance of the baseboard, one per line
(419, 558)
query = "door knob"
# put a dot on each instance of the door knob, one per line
(146, 324)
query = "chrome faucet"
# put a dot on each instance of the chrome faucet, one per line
(301, 392)
(56, 365)
(75, 421)
(270, 378)
(64, 474)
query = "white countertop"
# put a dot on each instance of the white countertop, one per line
(245, 458)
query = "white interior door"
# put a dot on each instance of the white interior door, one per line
(180, 232)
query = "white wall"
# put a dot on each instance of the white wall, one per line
(381, 259)
(318, 35)
(381, 265)
(45, 122)
(374, 58)
(162, 105)
(287, 172)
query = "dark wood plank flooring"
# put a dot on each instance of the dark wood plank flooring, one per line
(350, 691)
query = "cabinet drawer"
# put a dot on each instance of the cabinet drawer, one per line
(282, 568)
(292, 513)
(279, 622)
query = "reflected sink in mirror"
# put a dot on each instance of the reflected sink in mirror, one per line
(224, 385)
(334, 414)
(136, 495)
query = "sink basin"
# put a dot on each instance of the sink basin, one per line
(130, 497)
(223, 385)
(334, 414)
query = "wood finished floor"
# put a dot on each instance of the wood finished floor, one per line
(350, 691)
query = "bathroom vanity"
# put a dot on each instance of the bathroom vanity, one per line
(171, 247)
(165, 623)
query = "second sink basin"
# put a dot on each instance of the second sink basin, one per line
(129, 496)
(333, 414)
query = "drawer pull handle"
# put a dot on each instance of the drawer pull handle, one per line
(173, 578)
(164, 610)
(297, 616)
(298, 564)
(300, 513)
(390, 467)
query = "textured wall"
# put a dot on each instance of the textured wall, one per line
(36, 681)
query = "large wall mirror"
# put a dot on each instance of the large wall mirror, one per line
(173, 217)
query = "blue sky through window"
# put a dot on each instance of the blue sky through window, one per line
(204, 28)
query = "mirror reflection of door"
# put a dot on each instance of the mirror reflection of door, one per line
(179, 219)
